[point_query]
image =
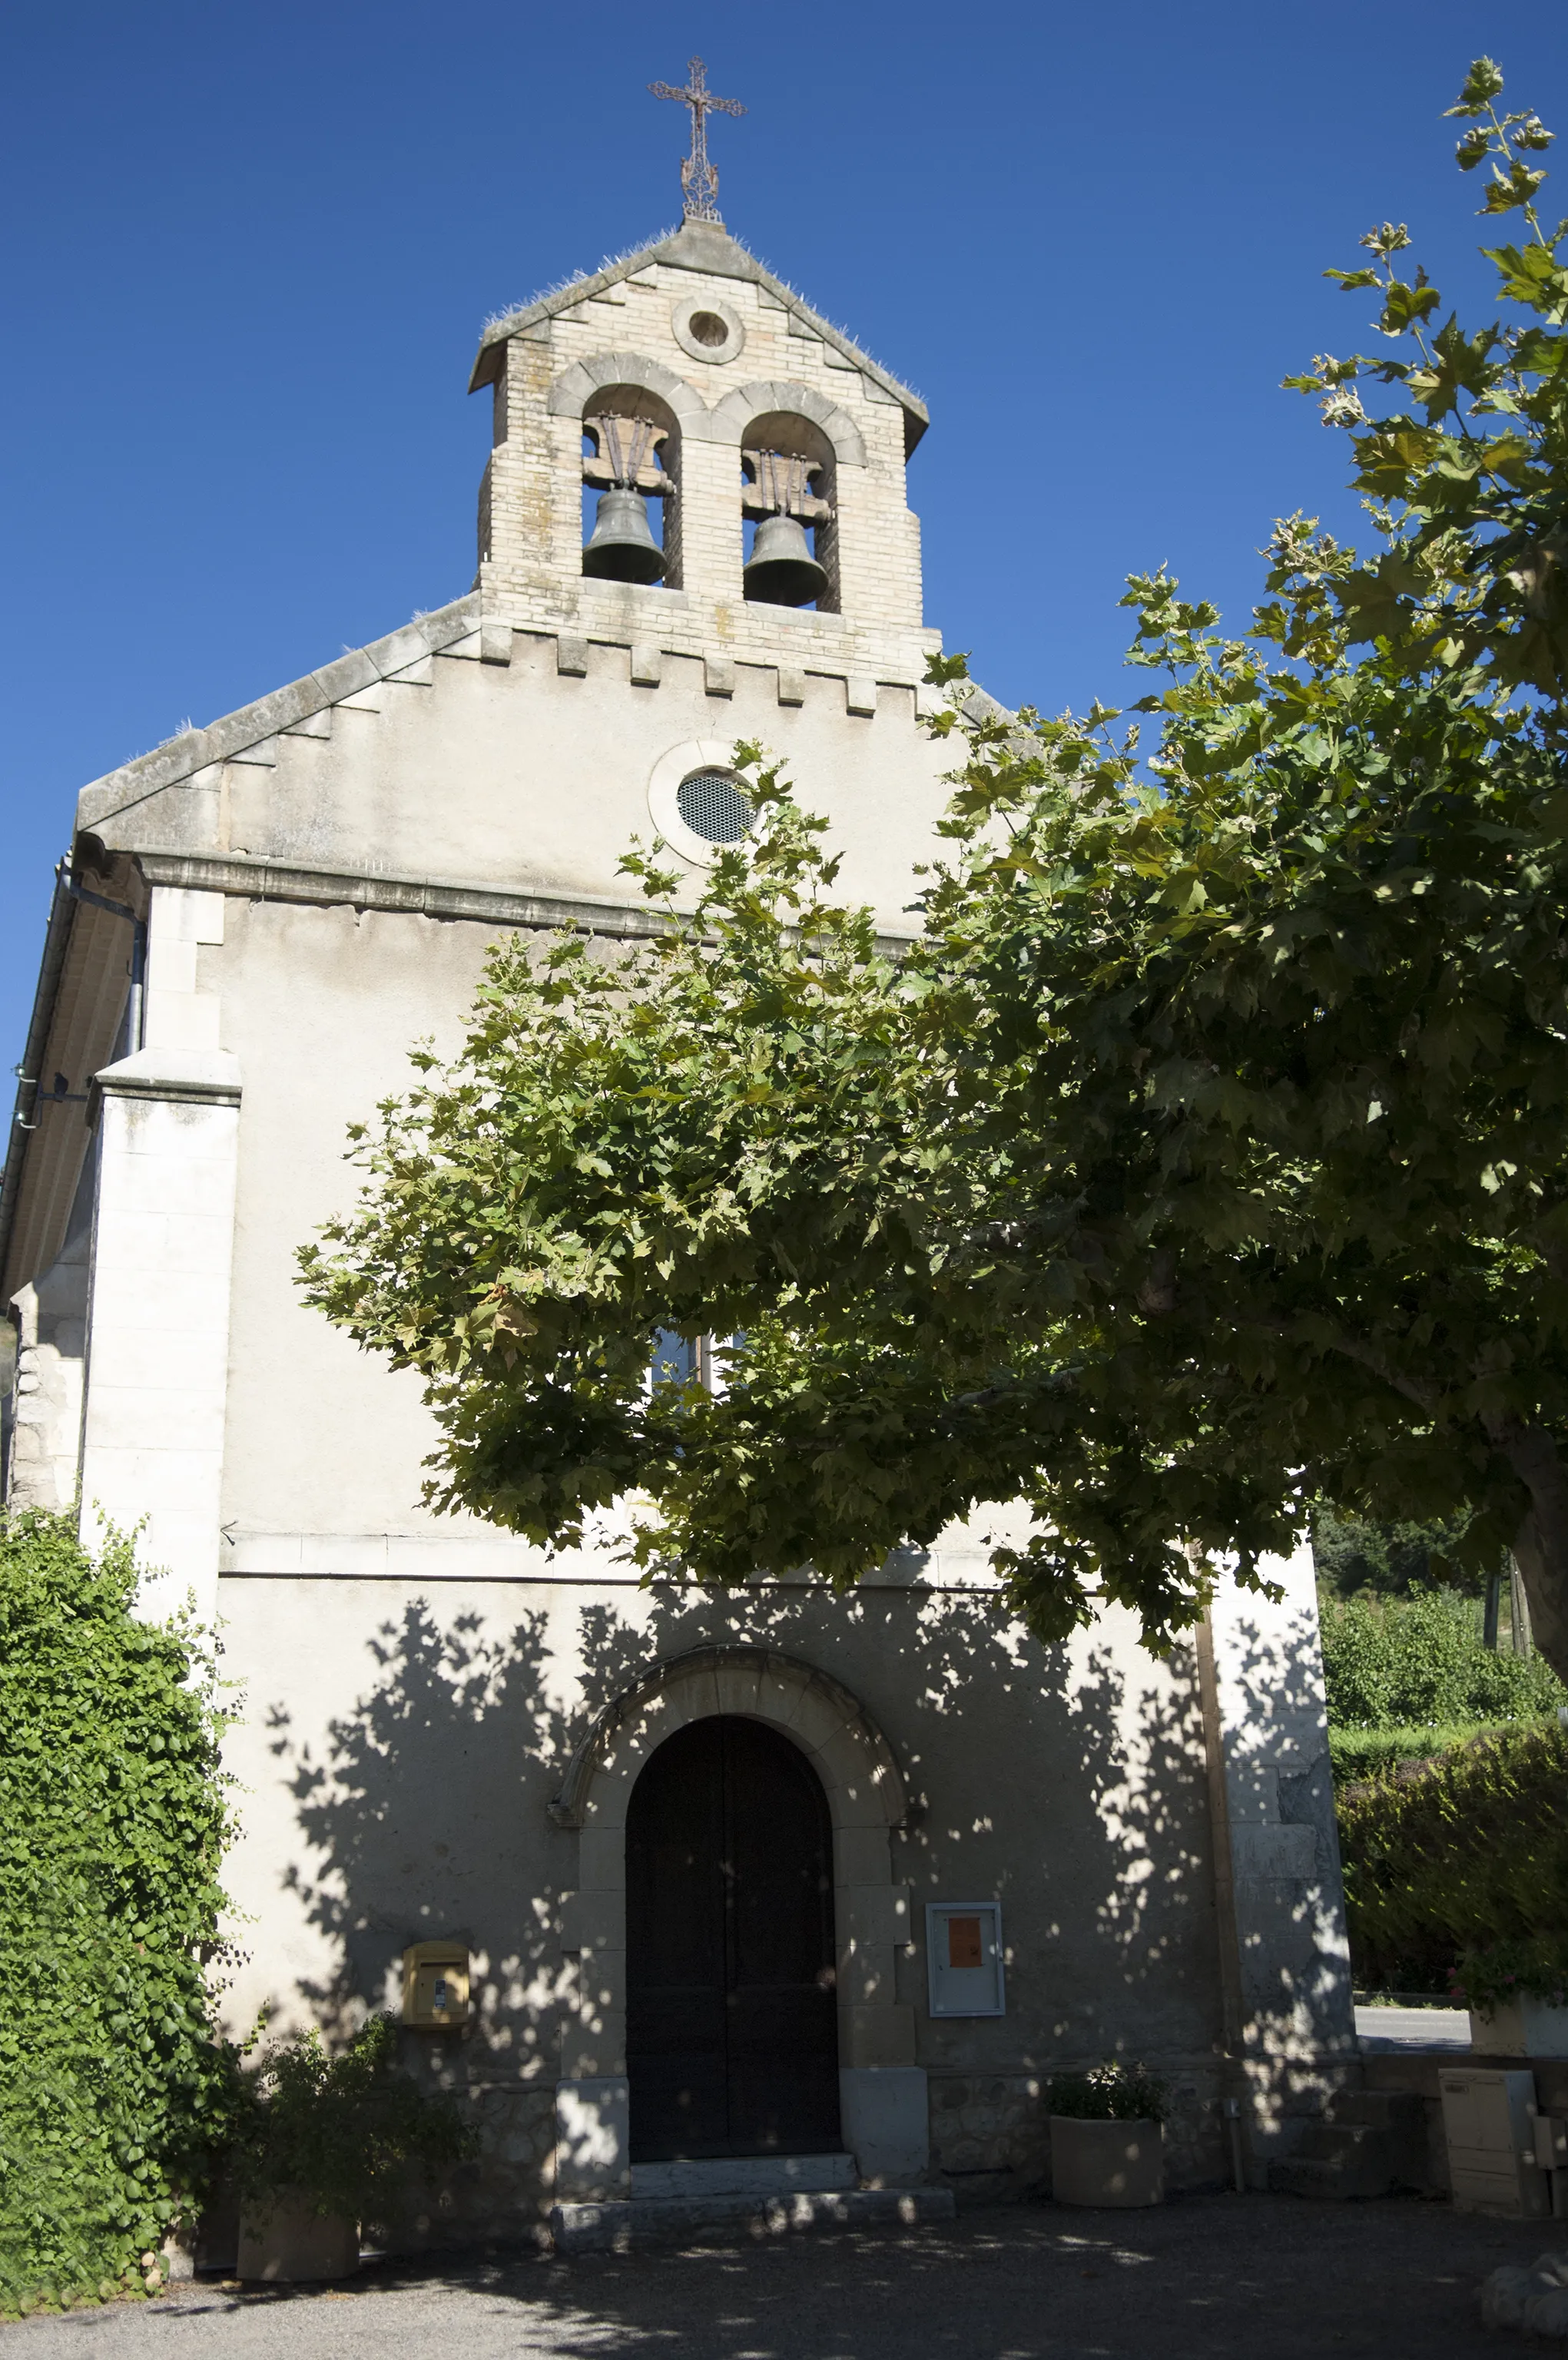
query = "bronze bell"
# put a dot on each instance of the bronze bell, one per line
(781, 568)
(621, 547)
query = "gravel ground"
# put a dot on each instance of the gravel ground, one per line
(1260, 2277)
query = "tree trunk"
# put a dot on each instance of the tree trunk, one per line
(1540, 1545)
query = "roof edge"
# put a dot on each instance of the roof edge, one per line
(194, 749)
(694, 246)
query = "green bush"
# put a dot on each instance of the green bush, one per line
(114, 2088)
(1493, 1974)
(1112, 2092)
(344, 2133)
(1357, 1754)
(1419, 1661)
(1469, 1857)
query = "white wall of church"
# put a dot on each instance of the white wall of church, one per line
(446, 1667)
(400, 1743)
(415, 1683)
(520, 775)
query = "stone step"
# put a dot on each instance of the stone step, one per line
(743, 2175)
(616, 2228)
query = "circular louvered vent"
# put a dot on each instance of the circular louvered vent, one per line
(713, 807)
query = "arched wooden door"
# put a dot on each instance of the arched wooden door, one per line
(732, 2032)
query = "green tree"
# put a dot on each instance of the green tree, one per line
(115, 2090)
(1204, 1153)
(1352, 1556)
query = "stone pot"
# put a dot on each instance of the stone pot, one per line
(1519, 2027)
(1106, 2163)
(285, 2239)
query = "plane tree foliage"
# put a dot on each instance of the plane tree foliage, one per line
(1200, 1157)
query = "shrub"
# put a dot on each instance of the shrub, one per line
(1497, 1973)
(1469, 1854)
(113, 2090)
(1420, 1660)
(1357, 1754)
(342, 2132)
(1111, 2092)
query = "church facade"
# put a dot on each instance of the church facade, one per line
(748, 1887)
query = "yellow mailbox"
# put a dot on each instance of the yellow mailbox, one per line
(435, 1985)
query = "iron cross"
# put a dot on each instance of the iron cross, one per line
(699, 182)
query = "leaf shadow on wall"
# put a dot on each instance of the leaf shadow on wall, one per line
(1068, 1783)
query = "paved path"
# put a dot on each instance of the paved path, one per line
(1413, 2027)
(1221, 2278)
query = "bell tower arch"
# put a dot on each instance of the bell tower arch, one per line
(705, 407)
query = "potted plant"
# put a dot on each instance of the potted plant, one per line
(326, 2143)
(1517, 1994)
(1107, 2135)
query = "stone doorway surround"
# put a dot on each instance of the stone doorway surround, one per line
(882, 2092)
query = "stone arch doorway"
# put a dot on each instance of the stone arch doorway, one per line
(882, 2093)
(731, 2033)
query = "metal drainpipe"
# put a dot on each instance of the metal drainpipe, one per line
(136, 1030)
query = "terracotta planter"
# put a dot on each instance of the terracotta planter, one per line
(1519, 2027)
(290, 2241)
(1106, 2163)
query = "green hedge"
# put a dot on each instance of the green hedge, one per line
(1418, 1661)
(114, 2088)
(1358, 1753)
(1470, 1855)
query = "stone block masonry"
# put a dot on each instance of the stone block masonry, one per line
(550, 373)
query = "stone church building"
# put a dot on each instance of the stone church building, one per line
(684, 1894)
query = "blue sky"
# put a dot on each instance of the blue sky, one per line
(250, 250)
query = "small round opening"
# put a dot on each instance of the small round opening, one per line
(708, 329)
(713, 807)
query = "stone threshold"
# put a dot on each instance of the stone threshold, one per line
(617, 2228)
(744, 2175)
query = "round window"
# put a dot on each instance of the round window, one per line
(710, 331)
(713, 807)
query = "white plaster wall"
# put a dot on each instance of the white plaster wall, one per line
(45, 1440)
(522, 776)
(409, 1732)
(153, 1432)
(1292, 1951)
(157, 1325)
(322, 1007)
(398, 1746)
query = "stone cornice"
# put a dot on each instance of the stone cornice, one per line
(248, 877)
(177, 1077)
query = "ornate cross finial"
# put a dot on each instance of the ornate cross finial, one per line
(699, 182)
